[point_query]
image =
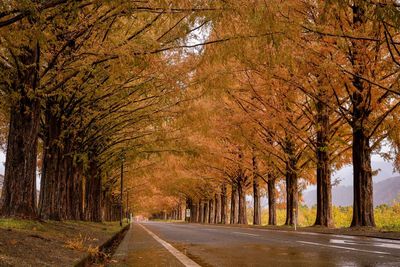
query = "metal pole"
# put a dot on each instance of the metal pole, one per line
(127, 205)
(122, 190)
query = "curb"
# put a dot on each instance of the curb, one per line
(105, 248)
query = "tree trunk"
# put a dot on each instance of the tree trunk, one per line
(291, 198)
(211, 208)
(61, 184)
(234, 218)
(178, 212)
(241, 191)
(93, 194)
(18, 198)
(193, 211)
(256, 194)
(217, 209)
(224, 205)
(201, 211)
(271, 200)
(198, 212)
(52, 158)
(19, 189)
(63, 189)
(363, 208)
(205, 216)
(324, 188)
(291, 185)
(76, 195)
(189, 205)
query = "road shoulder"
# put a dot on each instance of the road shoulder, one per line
(139, 248)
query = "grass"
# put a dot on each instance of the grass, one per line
(51, 243)
(52, 227)
(30, 225)
(67, 241)
(387, 217)
(108, 227)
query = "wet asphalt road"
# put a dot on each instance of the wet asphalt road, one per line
(210, 245)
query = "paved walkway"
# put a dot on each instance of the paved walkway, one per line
(139, 248)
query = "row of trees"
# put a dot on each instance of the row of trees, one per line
(197, 112)
(86, 86)
(304, 88)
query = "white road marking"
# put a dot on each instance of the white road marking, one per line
(366, 238)
(346, 248)
(375, 244)
(179, 255)
(372, 241)
(240, 233)
(345, 236)
(361, 238)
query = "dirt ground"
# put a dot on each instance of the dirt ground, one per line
(50, 243)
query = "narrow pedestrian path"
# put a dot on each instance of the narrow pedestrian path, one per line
(139, 248)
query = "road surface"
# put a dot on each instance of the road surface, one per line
(210, 245)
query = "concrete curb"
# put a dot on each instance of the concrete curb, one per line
(106, 247)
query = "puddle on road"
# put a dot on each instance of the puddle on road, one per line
(365, 243)
(255, 255)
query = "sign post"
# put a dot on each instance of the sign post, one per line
(187, 214)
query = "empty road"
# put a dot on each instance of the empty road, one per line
(210, 245)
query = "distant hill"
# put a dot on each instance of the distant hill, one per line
(384, 168)
(384, 193)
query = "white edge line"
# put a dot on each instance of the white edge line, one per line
(177, 254)
(241, 233)
(360, 238)
(347, 248)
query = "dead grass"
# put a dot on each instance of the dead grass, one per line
(51, 243)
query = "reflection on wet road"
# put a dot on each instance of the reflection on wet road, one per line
(211, 245)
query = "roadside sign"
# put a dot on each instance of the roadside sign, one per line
(188, 213)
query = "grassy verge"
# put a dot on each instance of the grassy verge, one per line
(387, 217)
(51, 243)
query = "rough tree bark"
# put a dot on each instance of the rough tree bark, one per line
(93, 193)
(75, 203)
(363, 209)
(234, 218)
(217, 209)
(324, 188)
(19, 188)
(271, 200)
(224, 204)
(256, 194)
(211, 208)
(193, 211)
(205, 213)
(241, 191)
(201, 210)
(52, 157)
(291, 185)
